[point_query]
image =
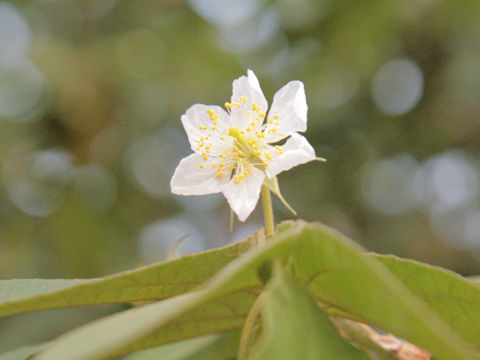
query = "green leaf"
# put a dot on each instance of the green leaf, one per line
(148, 283)
(294, 327)
(211, 347)
(23, 353)
(454, 298)
(342, 278)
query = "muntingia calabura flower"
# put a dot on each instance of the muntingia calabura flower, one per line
(239, 150)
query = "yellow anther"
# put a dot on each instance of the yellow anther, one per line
(242, 132)
(268, 155)
(236, 104)
(230, 167)
(228, 105)
(261, 134)
(255, 107)
(266, 164)
(197, 148)
(221, 165)
(277, 123)
(261, 114)
(235, 148)
(201, 166)
(248, 129)
(243, 98)
(214, 165)
(253, 123)
(222, 138)
(249, 113)
(210, 111)
(214, 128)
(204, 157)
(229, 154)
(214, 117)
(259, 153)
(270, 121)
(279, 149)
(275, 117)
(221, 155)
(219, 174)
(281, 134)
(273, 130)
(255, 146)
(210, 135)
(202, 127)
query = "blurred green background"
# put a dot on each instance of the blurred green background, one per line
(91, 94)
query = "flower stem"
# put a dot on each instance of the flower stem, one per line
(267, 211)
(248, 327)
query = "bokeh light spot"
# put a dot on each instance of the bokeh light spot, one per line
(397, 86)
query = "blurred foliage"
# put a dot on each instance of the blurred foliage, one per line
(91, 94)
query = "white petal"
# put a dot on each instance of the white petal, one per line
(189, 179)
(297, 151)
(290, 106)
(243, 197)
(197, 115)
(247, 87)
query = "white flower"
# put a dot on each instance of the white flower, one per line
(232, 150)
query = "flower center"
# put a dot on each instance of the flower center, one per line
(249, 148)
